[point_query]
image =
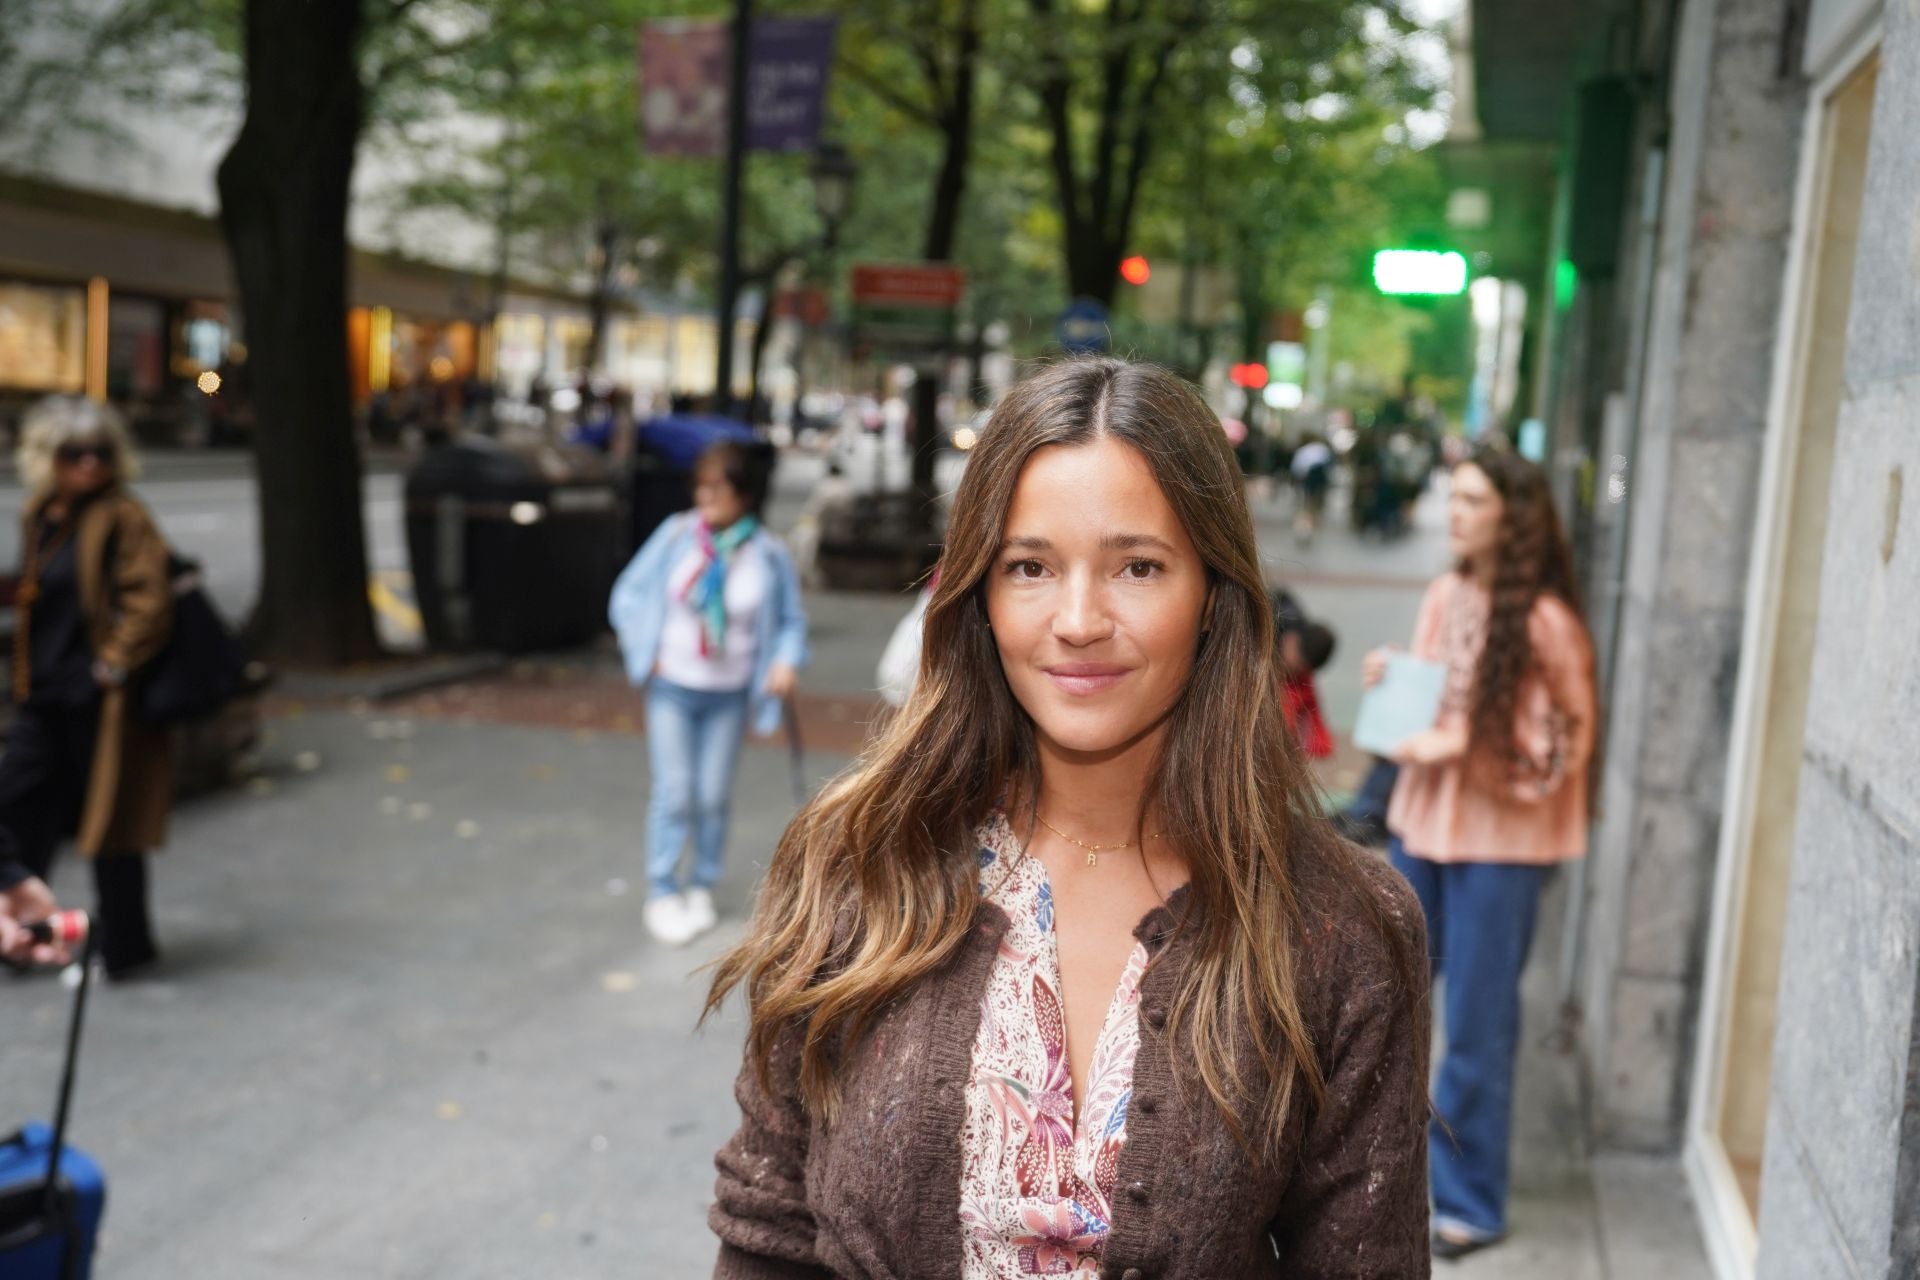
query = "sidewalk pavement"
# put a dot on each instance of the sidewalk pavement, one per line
(410, 1025)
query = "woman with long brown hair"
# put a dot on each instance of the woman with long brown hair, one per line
(1067, 976)
(1488, 801)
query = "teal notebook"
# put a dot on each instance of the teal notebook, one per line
(1405, 702)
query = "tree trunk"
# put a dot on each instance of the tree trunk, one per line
(1096, 214)
(762, 333)
(1093, 268)
(1253, 333)
(502, 274)
(977, 360)
(284, 189)
(606, 241)
(943, 230)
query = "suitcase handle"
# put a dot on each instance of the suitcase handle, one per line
(65, 1104)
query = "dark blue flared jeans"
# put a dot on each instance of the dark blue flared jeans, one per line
(1479, 925)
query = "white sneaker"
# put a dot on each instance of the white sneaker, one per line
(700, 913)
(667, 920)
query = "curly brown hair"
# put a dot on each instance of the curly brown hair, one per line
(1532, 559)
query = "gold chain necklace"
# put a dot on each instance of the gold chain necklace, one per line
(1093, 850)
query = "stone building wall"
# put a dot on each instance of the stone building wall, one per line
(1732, 160)
(1841, 1189)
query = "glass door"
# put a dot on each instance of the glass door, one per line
(1730, 1118)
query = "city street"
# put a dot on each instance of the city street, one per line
(1630, 286)
(207, 505)
(409, 1024)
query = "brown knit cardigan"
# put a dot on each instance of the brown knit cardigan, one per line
(875, 1195)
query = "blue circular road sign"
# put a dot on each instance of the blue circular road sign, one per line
(1083, 327)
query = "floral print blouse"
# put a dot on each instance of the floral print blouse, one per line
(1036, 1193)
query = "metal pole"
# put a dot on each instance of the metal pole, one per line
(730, 202)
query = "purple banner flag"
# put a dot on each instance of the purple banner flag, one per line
(683, 84)
(787, 83)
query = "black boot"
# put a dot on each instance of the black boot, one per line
(126, 929)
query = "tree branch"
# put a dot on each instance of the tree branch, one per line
(872, 81)
(926, 46)
(395, 11)
(1053, 91)
(1143, 127)
(764, 271)
(383, 76)
(1114, 67)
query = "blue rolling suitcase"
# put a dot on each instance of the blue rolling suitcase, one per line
(50, 1218)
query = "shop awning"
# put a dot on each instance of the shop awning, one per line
(1528, 55)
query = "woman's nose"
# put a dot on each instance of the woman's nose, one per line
(1082, 617)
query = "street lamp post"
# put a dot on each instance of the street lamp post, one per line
(730, 206)
(833, 173)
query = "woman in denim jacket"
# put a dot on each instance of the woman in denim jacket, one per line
(711, 624)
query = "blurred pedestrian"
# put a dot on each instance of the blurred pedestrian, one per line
(1488, 801)
(829, 497)
(93, 607)
(1305, 646)
(1067, 970)
(1312, 469)
(1364, 819)
(899, 668)
(711, 624)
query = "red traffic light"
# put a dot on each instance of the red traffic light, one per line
(1250, 376)
(1135, 270)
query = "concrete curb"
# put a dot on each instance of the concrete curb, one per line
(387, 684)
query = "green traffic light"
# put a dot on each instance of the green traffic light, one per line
(1420, 272)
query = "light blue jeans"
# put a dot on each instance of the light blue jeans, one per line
(693, 745)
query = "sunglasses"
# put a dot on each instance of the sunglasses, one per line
(73, 455)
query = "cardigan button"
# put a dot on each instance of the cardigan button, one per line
(1137, 1192)
(1148, 1104)
(1133, 1273)
(1156, 1017)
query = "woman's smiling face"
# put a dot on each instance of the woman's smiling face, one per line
(1097, 598)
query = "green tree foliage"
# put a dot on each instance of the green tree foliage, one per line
(1266, 138)
(82, 69)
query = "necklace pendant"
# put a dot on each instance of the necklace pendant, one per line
(1093, 859)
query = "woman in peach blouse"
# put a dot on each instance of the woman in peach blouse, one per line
(1489, 800)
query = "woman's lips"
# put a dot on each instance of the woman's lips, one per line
(1084, 678)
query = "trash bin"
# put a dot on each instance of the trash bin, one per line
(660, 482)
(513, 550)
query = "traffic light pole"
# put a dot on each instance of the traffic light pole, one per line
(730, 203)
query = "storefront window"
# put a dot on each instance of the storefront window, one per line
(640, 353)
(696, 347)
(43, 338)
(204, 340)
(1746, 993)
(518, 355)
(136, 348)
(573, 338)
(429, 351)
